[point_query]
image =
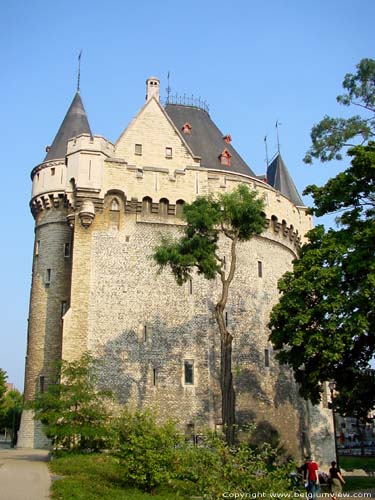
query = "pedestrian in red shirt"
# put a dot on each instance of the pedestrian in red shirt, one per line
(313, 486)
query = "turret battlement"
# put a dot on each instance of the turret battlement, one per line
(87, 142)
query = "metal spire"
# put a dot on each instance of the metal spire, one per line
(277, 134)
(79, 71)
(265, 144)
(168, 89)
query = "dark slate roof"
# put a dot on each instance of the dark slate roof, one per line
(279, 178)
(205, 139)
(74, 123)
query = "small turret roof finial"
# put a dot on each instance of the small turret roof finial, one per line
(79, 71)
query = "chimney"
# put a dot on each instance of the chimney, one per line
(153, 88)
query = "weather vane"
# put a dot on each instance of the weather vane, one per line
(168, 89)
(277, 134)
(79, 70)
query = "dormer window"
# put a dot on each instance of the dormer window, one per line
(227, 138)
(186, 128)
(168, 152)
(225, 158)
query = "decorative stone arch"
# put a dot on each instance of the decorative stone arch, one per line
(179, 208)
(146, 205)
(163, 207)
(114, 208)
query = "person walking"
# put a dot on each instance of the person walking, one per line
(313, 485)
(336, 480)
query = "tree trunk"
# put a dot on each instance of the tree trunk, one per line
(228, 397)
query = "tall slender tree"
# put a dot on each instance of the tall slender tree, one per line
(236, 216)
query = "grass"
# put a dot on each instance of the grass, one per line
(365, 463)
(96, 476)
(359, 483)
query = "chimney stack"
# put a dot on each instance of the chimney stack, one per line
(153, 88)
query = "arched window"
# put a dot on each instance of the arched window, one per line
(179, 207)
(146, 205)
(115, 206)
(163, 207)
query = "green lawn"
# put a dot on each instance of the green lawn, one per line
(365, 463)
(96, 476)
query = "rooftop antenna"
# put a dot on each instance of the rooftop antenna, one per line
(265, 144)
(79, 70)
(168, 89)
(277, 134)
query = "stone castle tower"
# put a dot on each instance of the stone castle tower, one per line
(99, 210)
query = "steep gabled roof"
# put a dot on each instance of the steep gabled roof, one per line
(205, 139)
(74, 123)
(279, 178)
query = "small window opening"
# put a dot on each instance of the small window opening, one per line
(53, 171)
(66, 249)
(115, 206)
(154, 377)
(41, 383)
(37, 247)
(260, 269)
(189, 372)
(191, 286)
(48, 276)
(224, 263)
(64, 307)
(226, 318)
(168, 152)
(145, 333)
(266, 358)
(138, 149)
(37, 177)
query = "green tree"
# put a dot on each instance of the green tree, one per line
(331, 135)
(324, 324)
(3, 388)
(11, 415)
(74, 412)
(237, 216)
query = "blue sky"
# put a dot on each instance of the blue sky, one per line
(254, 62)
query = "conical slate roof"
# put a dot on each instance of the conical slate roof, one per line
(205, 139)
(279, 178)
(74, 123)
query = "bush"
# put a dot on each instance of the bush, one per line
(146, 449)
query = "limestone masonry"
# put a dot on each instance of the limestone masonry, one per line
(99, 210)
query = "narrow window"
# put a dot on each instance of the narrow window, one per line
(224, 263)
(145, 333)
(53, 171)
(260, 269)
(66, 249)
(154, 377)
(266, 358)
(226, 318)
(115, 207)
(37, 247)
(191, 287)
(189, 372)
(48, 276)
(138, 149)
(179, 207)
(41, 383)
(168, 152)
(63, 307)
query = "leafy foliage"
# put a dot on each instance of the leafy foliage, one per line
(146, 449)
(3, 388)
(11, 410)
(324, 324)
(74, 411)
(330, 135)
